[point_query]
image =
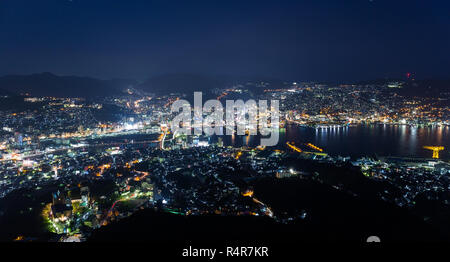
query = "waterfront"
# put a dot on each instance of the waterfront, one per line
(354, 141)
(363, 140)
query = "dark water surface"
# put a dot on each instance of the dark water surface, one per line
(362, 140)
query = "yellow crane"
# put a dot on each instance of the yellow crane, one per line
(435, 150)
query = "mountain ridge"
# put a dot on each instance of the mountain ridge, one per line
(49, 84)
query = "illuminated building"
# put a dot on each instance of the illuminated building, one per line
(61, 207)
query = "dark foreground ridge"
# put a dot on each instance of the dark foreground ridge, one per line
(341, 219)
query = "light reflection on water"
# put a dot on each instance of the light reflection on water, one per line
(383, 140)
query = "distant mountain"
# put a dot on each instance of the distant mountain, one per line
(48, 84)
(427, 88)
(418, 88)
(5, 93)
(379, 81)
(181, 83)
(189, 83)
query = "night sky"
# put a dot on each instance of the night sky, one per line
(295, 40)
